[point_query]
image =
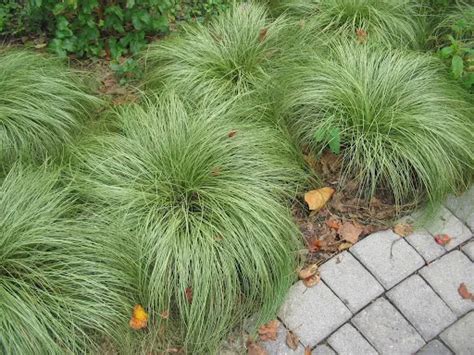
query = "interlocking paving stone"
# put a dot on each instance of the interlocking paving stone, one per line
(313, 313)
(446, 274)
(462, 206)
(425, 245)
(388, 257)
(460, 336)
(323, 350)
(446, 223)
(348, 341)
(279, 345)
(468, 249)
(421, 306)
(350, 281)
(387, 330)
(434, 347)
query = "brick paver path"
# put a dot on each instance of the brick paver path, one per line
(391, 295)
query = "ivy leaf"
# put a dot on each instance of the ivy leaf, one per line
(446, 52)
(457, 66)
(335, 140)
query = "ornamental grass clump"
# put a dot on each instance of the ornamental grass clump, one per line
(202, 198)
(55, 293)
(403, 128)
(393, 23)
(41, 105)
(229, 56)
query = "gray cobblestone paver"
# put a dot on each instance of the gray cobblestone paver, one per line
(323, 350)
(350, 281)
(446, 274)
(434, 347)
(387, 330)
(381, 297)
(468, 249)
(425, 245)
(421, 306)
(388, 257)
(348, 341)
(460, 336)
(447, 223)
(313, 313)
(462, 206)
(279, 345)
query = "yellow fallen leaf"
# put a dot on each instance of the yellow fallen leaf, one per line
(403, 230)
(139, 318)
(317, 199)
(344, 246)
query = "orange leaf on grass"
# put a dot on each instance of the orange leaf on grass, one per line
(334, 223)
(188, 293)
(317, 199)
(269, 330)
(139, 318)
(442, 239)
(262, 34)
(232, 133)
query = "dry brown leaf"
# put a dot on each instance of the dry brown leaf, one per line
(403, 229)
(442, 239)
(344, 246)
(308, 271)
(269, 330)
(317, 199)
(350, 232)
(262, 34)
(254, 348)
(232, 133)
(139, 318)
(307, 351)
(292, 340)
(216, 171)
(464, 292)
(188, 293)
(311, 281)
(334, 223)
(165, 314)
(317, 244)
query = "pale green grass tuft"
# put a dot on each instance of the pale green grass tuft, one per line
(41, 104)
(201, 199)
(55, 293)
(228, 57)
(404, 127)
(393, 23)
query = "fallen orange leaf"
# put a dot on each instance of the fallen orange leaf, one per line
(232, 133)
(311, 280)
(317, 199)
(292, 340)
(464, 292)
(139, 318)
(350, 232)
(307, 351)
(255, 349)
(403, 229)
(308, 271)
(334, 223)
(269, 330)
(442, 239)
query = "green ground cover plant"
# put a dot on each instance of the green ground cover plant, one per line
(42, 104)
(201, 195)
(55, 293)
(403, 127)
